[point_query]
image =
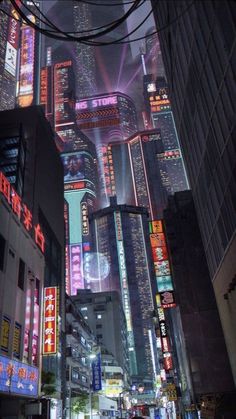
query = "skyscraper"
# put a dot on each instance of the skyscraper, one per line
(135, 163)
(200, 68)
(124, 264)
(162, 118)
(9, 48)
(78, 155)
(106, 118)
(74, 16)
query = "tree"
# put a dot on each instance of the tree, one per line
(79, 404)
(48, 379)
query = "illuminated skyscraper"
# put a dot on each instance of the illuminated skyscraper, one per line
(74, 16)
(9, 46)
(123, 261)
(139, 171)
(162, 118)
(78, 155)
(106, 118)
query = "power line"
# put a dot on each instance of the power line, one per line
(66, 36)
(119, 41)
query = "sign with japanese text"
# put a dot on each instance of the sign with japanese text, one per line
(21, 210)
(167, 299)
(76, 264)
(17, 340)
(12, 43)
(5, 334)
(18, 378)
(50, 321)
(96, 373)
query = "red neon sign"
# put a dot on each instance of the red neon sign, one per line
(21, 210)
(50, 321)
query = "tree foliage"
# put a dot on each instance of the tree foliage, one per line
(48, 379)
(79, 404)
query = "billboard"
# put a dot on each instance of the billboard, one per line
(96, 103)
(27, 54)
(50, 326)
(167, 299)
(160, 256)
(12, 43)
(76, 265)
(18, 378)
(74, 169)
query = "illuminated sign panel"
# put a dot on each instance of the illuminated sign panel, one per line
(164, 283)
(168, 363)
(12, 43)
(96, 103)
(50, 329)
(5, 334)
(160, 101)
(26, 79)
(160, 256)
(122, 268)
(76, 264)
(18, 378)
(167, 299)
(21, 210)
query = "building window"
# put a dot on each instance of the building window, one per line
(21, 274)
(98, 326)
(99, 336)
(99, 316)
(2, 251)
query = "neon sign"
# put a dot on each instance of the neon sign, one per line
(18, 378)
(12, 43)
(96, 103)
(21, 210)
(50, 321)
(26, 79)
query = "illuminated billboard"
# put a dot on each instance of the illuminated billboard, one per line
(167, 299)
(18, 378)
(74, 169)
(27, 55)
(50, 320)
(160, 256)
(12, 43)
(96, 102)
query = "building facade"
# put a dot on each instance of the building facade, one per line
(22, 283)
(78, 155)
(28, 154)
(106, 118)
(123, 252)
(9, 54)
(104, 313)
(200, 71)
(135, 163)
(197, 314)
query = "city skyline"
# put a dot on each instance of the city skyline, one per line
(117, 202)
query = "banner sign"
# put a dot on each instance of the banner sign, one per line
(97, 374)
(50, 321)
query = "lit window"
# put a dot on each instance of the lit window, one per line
(84, 308)
(99, 316)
